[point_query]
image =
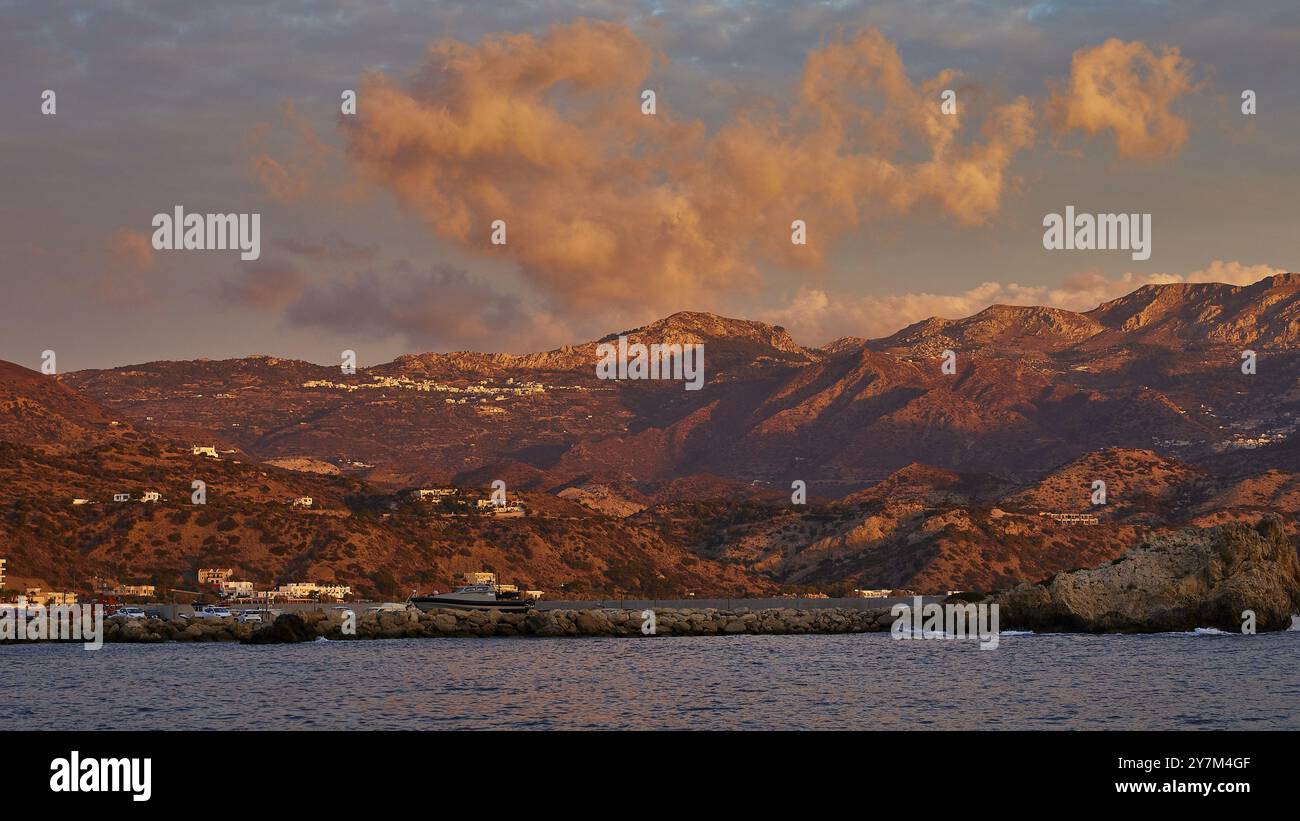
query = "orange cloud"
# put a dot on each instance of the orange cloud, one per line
(131, 248)
(123, 281)
(608, 207)
(293, 178)
(1128, 89)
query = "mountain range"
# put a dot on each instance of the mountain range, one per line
(917, 478)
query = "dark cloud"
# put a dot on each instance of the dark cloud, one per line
(266, 283)
(435, 310)
(332, 247)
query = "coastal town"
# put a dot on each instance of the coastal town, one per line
(211, 585)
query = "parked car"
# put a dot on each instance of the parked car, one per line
(213, 611)
(250, 616)
(129, 613)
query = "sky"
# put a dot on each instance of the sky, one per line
(376, 227)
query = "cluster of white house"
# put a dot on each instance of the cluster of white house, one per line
(484, 386)
(1251, 441)
(155, 496)
(222, 579)
(497, 507)
(147, 496)
(111, 588)
(1071, 518)
(35, 596)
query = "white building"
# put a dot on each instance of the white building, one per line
(302, 501)
(432, 494)
(334, 591)
(81, 501)
(872, 594)
(305, 590)
(151, 496)
(121, 497)
(236, 589)
(200, 450)
(2, 573)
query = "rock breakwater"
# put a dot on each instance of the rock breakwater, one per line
(411, 623)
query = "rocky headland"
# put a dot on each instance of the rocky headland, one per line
(1198, 577)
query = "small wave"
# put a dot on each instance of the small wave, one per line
(1209, 631)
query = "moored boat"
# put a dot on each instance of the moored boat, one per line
(481, 593)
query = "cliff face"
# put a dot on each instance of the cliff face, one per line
(1189, 579)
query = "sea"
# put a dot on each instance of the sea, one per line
(1199, 680)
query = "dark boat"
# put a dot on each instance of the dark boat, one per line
(482, 595)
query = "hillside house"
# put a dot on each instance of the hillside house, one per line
(302, 501)
(151, 496)
(1071, 518)
(201, 450)
(121, 497)
(144, 591)
(215, 575)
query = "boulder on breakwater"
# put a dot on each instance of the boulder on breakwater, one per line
(1198, 577)
(286, 629)
(156, 630)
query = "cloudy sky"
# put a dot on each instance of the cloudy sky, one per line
(376, 227)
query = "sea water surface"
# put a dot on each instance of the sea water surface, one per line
(865, 681)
